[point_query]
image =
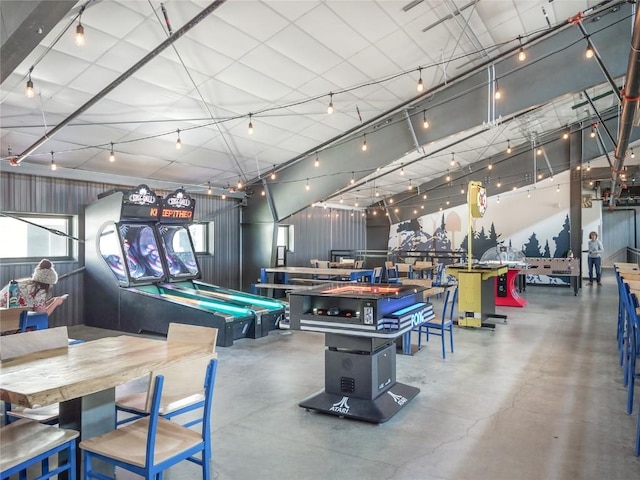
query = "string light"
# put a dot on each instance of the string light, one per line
(364, 143)
(54, 167)
(391, 200)
(29, 92)
(490, 166)
(633, 155)
(539, 174)
(410, 185)
(588, 166)
(498, 199)
(223, 196)
(420, 86)
(273, 173)
(353, 178)
(448, 202)
(424, 197)
(79, 37)
(425, 122)
(330, 106)
(528, 194)
(589, 53)
(448, 177)
(565, 135)
(453, 160)
(498, 94)
(578, 168)
(514, 188)
(178, 141)
(341, 200)
(539, 151)
(307, 186)
(239, 183)
(508, 146)
(112, 156)
(209, 191)
(558, 188)
(401, 169)
(551, 178)
(593, 131)
(263, 193)
(250, 126)
(499, 183)
(377, 193)
(462, 188)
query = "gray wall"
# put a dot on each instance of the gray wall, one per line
(30, 194)
(618, 233)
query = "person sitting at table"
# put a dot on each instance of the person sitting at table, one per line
(33, 292)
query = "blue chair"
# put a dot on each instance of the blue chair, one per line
(33, 320)
(633, 351)
(377, 275)
(438, 326)
(26, 443)
(152, 444)
(186, 396)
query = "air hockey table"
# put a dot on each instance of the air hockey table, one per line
(361, 323)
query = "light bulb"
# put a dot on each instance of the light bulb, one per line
(578, 167)
(420, 86)
(263, 193)
(425, 122)
(54, 167)
(462, 189)
(508, 146)
(307, 186)
(522, 56)
(498, 200)
(593, 131)
(490, 166)
(28, 91)
(391, 200)
(353, 180)
(633, 155)
(273, 173)
(558, 188)
(528, 194)
(588, 167)
(589, 53)
(499, 184)
(112, 156)
(239, 184)
(565, 135)
(539, 151)
(401, 170)
(341, 200)
(209, 190)
(453, 160)
(178, 141)
(498, 94)
(223, 196)
(317, 162)
(364, 145)
(250, 126)
(330, 106)
(79, 38)
(448, 177)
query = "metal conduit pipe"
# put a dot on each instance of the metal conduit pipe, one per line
(630, 101)
(103, 93)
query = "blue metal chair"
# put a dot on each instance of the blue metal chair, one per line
(438, 326)
(633, 350)
(26, 443)
(164, 444)
(33, 320)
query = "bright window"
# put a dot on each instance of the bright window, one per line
(285, 237)
(200, 237)
(30, 241)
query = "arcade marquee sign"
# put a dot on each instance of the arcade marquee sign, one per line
(143, 203)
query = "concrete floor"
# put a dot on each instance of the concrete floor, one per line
(538, 398)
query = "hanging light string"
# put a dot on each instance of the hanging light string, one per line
(217, 122)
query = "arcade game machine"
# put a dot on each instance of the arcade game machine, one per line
(361, 323)
(476, 299)
(506, 292)
(124, 266)
(176, 214)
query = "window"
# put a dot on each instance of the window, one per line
(29, 241)
(200, 237)
(285, 237)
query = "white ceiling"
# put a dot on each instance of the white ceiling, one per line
(278, 60)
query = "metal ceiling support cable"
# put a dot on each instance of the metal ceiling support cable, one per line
(630, 102)
(106, 90)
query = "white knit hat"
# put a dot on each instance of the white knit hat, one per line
(45, 273)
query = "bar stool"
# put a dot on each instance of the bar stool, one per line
(33, 320)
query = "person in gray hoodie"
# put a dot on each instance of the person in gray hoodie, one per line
(594, 257)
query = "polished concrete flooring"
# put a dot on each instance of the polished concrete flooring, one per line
(538, 398)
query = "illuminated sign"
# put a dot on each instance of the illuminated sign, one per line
(477, 199)
(178, 207)
(177, 213)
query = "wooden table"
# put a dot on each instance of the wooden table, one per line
(82, 378)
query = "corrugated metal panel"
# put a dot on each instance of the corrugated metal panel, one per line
(29, 194)
(617, 233)
(317, 231)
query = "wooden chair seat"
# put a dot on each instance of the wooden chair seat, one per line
(128, 444)
(25, 443)
(136, 402)
(48, 414)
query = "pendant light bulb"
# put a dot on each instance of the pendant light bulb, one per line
(589, 53)
(498, 94)
(558, 188)
(308, 187)
(250, 126)
(490, 166)
(364, 143)
(178, 141)
(29, 92)
(448, 177)
(353, 179)
(565, 135)
(209, 191)
(79, 37)
(453, 160)
(499, 183)
(54, 167)
(112, 155)
(223, 196)
(633, 155)
(401, 170)
(273, 173)
(593, 131)
(330, 107)
(498, 199)
(539, 151)
(317, 162)
(425, 122)
(522, 56)
(239, 185)
(420, 86)
(508, 146)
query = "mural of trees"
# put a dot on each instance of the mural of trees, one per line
(563, 240)
(480, 242)
(532, 247)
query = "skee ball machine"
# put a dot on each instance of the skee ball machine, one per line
(125, 266)
(360, 323)
(177, 211)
